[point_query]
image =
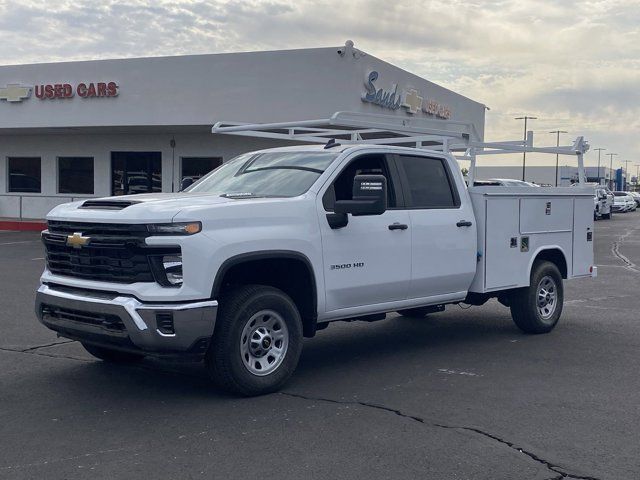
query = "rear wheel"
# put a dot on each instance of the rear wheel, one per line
(537, 308)
(111, 355)
(257, 341)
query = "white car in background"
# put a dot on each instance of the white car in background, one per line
(505, 182)
(623, 202)
(636, 197)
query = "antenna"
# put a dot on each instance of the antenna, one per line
(331, 143)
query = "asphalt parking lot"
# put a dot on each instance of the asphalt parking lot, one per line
(459, 395)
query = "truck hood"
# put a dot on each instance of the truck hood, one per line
(142, 208)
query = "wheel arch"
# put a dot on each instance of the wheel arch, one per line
(290, 271)
(554, 254)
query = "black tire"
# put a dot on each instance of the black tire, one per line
(527, 314)
(110, 355)
(224, 359)
(418, 312)
(606, 216)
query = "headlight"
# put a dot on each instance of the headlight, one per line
(172, 265)
(188, 228)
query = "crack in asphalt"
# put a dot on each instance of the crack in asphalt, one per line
(615, 249)
(41, 354)
(30, 349)
(554, 468)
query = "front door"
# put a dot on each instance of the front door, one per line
(443, 229)
(365, 263)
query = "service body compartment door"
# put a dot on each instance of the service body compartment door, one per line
(504, 261)
(546, 215)
(582, 236)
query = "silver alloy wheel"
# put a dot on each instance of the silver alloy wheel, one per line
(264, 342)
(547, 297)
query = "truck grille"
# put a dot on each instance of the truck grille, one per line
(115, 253)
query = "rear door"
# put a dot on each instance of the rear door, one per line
(443, 230)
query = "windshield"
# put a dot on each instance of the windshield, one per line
(271, 174)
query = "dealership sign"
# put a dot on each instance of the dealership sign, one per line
(409, 99)
(14, 93)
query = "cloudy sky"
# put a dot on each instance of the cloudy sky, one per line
(573, 64)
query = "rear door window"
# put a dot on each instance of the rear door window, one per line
(427, 182)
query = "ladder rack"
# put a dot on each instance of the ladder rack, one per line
(426, 133)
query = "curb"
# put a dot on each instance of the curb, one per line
(20, 226)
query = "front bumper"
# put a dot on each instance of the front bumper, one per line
(618, 208)
(125, 323)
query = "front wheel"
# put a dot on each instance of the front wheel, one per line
(537, 308)
(257, 341)
(606, 216)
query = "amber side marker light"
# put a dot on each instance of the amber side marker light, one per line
(188, 228)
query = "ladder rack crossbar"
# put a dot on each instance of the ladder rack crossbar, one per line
(376, 129)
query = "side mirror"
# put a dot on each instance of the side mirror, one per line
(369, 196)
(186, 183)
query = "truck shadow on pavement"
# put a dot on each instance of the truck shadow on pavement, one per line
(393, 346)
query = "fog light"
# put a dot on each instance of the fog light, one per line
(172, 265)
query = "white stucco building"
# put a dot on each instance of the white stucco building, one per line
(109, 127)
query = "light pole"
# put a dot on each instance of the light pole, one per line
(637, 174)
(558, 132)
(599, 150)
(524, 153)
(611, 155)
(626, 172)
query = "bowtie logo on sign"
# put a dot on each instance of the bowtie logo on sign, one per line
(14, 93)
(409, 99)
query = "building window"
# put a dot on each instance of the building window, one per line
(197, 167)
(24, 174)
(136, 172)
(75, 175)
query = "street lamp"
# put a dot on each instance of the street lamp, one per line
(558, 132)
(626, 172)
(599, 150)
(524, 153)
(611, 155)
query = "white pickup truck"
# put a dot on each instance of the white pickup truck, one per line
(276, 244)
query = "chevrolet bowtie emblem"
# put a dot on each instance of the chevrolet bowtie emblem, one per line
(14, 93)
(77, 240)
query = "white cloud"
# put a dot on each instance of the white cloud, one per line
(574, 64)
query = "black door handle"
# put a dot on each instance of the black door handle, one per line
(464, 223)
(398, 226)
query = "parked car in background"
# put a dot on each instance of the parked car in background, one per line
(504, 182)
(623, 202)
(636, 197)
